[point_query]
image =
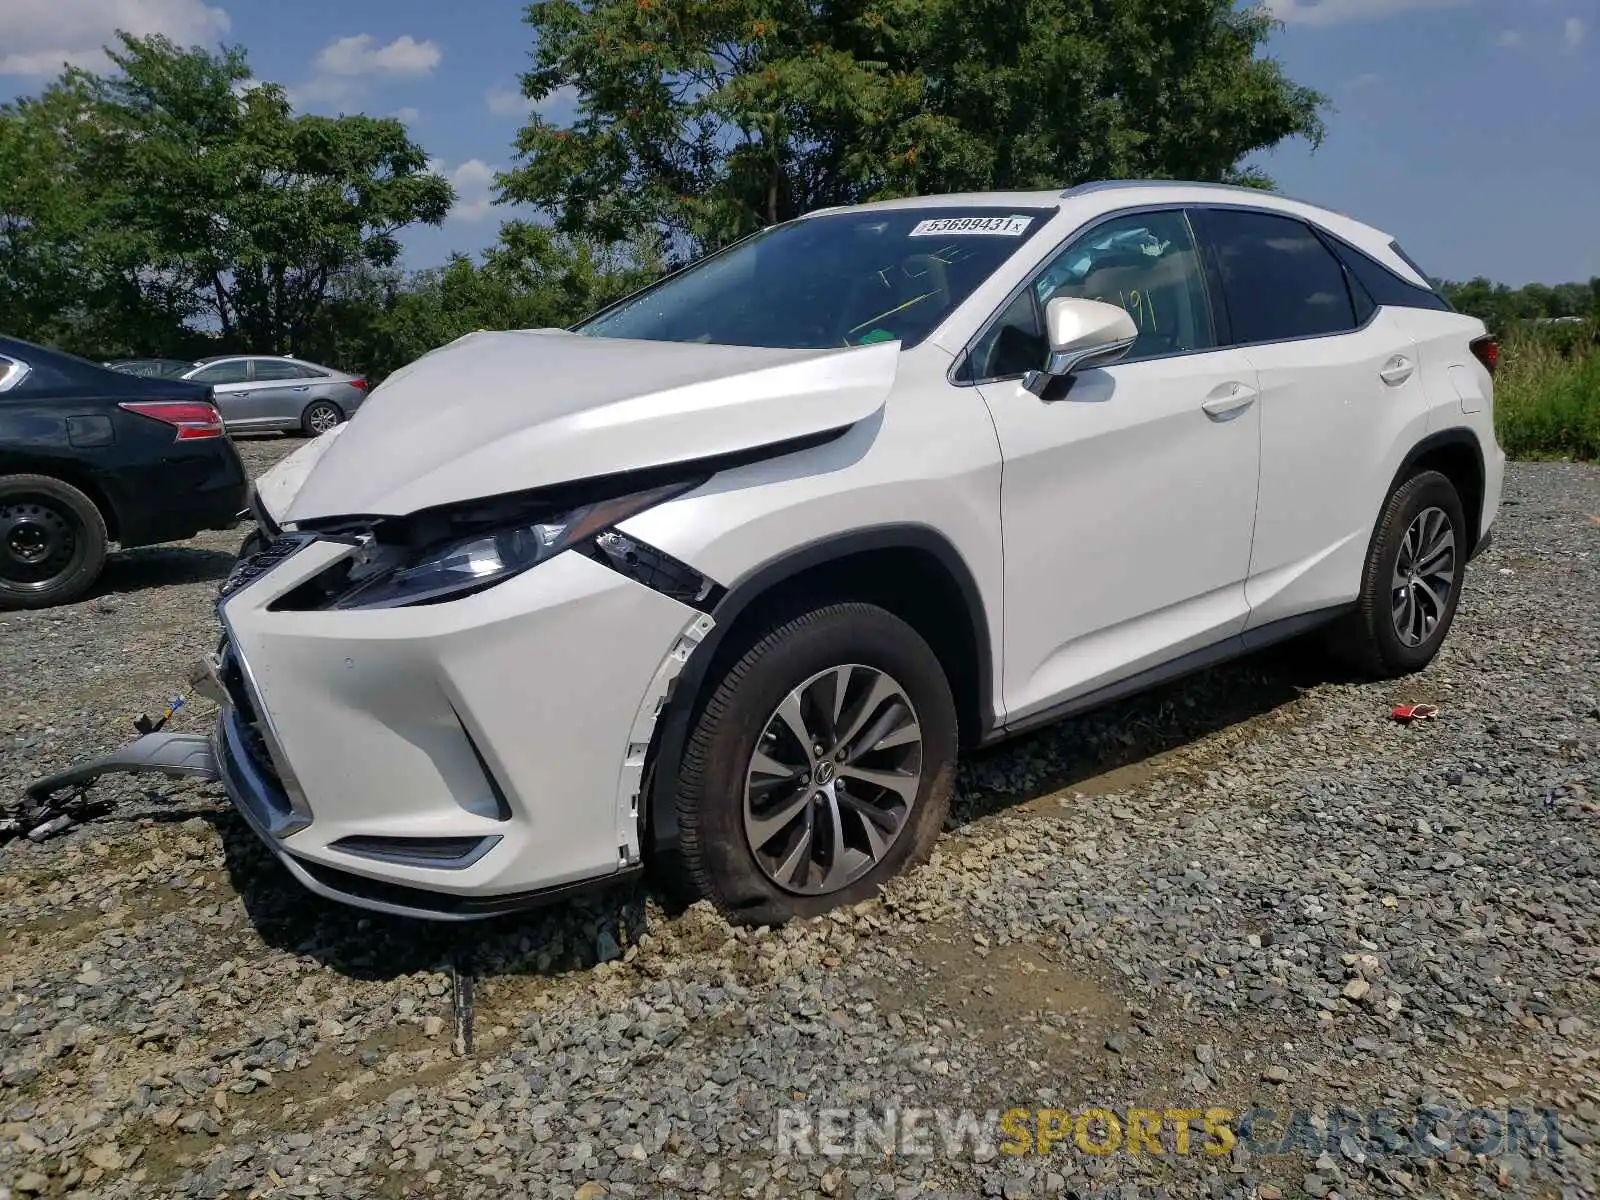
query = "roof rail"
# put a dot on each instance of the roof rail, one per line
(1106, 185)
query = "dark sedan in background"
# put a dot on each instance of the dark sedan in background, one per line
(90, 456)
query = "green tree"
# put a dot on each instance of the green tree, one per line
(179, 190)
(377, 321)
(699, 120)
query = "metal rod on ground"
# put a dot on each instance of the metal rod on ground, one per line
(461, 998)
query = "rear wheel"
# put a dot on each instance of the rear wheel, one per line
(319, 417)
(821, 765)
(1412, 581)
(52, 542)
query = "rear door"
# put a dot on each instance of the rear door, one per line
(1339, 390)
(282, 390)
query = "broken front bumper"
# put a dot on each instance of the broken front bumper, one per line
(448, 761)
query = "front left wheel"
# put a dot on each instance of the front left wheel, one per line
(821, 765)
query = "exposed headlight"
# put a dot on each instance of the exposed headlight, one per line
(391, 576)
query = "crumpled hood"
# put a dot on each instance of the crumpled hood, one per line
(492, 413)
(277, 485)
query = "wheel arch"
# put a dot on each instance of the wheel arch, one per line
(1457, 454)
(911, 570)
(77, 476)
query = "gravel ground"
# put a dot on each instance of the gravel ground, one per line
(1250, 889)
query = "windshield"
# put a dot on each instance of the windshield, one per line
(846, 279)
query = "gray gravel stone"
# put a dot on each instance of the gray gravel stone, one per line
(1199, 879)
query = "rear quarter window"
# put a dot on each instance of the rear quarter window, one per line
(1383, 285)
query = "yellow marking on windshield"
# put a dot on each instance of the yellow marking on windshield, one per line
(896, 309)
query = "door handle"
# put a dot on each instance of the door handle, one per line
(1233, 399)
(304, 387)
(1397, 370)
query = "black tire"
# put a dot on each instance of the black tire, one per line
(1369, 640)
(317, 411)
(717, 859)
(52, 542)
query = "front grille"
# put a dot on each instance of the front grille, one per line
(251, 568)
(255, 744)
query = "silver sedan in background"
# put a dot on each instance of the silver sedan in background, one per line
(257, 393)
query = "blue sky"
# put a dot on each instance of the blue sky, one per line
(1467, 128)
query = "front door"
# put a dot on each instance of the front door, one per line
(1128, 501)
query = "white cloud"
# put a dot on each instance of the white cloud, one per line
(1335, 12)
(507, 102)
(474, 183)
(1573, 33)
(1507, 38)
(361, 55)
(38, 36)
(559, 105)
(346, 65)
(407, 114)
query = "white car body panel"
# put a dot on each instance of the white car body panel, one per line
(928, 460)
(1106, 536)
(1127, 514)
(601, 407)
(1332, 435)
(277, 486)
(379, 713)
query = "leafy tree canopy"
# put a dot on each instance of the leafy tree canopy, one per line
(176, 190)
(700, 120)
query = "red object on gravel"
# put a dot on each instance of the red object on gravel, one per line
(1406, 713)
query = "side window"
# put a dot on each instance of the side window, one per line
(1280, 281)
(1382, 284)
(276, 368)
(235, 370)
(1145, 262)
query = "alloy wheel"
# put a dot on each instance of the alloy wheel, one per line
(1424, 576)
(833, 779)
(322, 418)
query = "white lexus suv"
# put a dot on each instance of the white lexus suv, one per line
(734, 569)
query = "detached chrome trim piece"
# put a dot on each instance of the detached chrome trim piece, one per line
(630, 787)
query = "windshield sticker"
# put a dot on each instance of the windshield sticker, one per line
(1013, 226)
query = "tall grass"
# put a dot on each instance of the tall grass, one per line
(1547, 395)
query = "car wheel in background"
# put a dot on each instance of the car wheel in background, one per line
(820, 766)
(52, 542)
(1412, 582)
(319, 417)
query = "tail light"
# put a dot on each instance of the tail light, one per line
(359, 384)
(192, 419)
(1487, 351)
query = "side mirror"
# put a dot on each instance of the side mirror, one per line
(1083, 334)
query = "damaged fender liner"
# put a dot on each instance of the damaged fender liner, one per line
(631, 787)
